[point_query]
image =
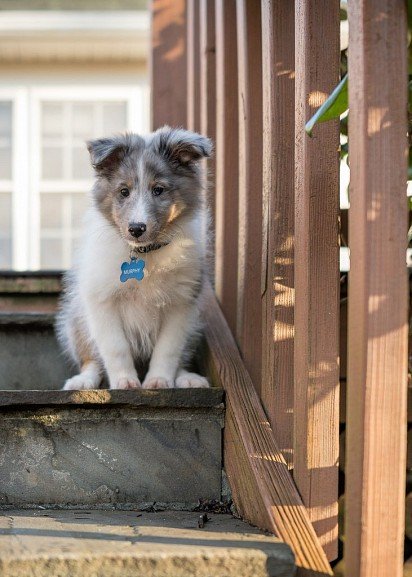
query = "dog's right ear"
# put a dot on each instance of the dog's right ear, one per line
(106, 154)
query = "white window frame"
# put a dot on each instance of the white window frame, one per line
(18, 185)
(137, 99)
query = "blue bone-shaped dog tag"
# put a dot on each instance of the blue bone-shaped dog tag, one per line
(132, 269)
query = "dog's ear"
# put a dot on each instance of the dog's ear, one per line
(181, 147)
(106, 154)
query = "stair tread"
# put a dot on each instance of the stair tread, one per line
(173, 398)
(27, 318)
(77, 543)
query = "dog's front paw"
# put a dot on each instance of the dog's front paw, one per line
(157, 383)
(126, 383)
(81, 383)
(191, 381)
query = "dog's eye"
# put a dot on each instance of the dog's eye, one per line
(157, 190)
(124, 192)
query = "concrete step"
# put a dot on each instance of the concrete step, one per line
(102, 448)
(89, 543)
(30, 353)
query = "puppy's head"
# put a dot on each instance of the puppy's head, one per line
(145, 186)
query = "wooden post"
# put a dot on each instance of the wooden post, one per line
(378, 297)
(278, 51)
(227, 159)
(208, 95)
(249, 314)
(317, 270)
(168, 63)
(193, 65)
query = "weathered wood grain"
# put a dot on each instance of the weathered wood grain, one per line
(193, 65)
(249, 305)
(227, 160)
(316, 350)
(278, 53)
(168, 63)
(262, 486)
(378, 298)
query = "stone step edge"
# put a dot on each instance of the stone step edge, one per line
(162, 398)
(79, 543)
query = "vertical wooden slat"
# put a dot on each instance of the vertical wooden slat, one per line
(278, 66)
(249, 316)
(208, 95)
(227, 161)
(317, 270)
(193, 65)
(168, 63)
(207, 68)
(378, 298)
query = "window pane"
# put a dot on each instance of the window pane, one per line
(5, 253)
(5, 213)
(5, 230)
(5, 140)
(114, 118)
(51, 253)
(80, 203)
(52, 162)
(52, 119)
(81, 163)
(83, 120)
(5, 163)
(5, 119)
(51, 210)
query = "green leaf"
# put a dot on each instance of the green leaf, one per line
(335, 105)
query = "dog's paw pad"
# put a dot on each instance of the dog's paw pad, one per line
(80, 383)
(191, 381)
(127, 383)
(157, 383)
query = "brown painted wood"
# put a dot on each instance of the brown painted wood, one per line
(207, 68)
(249, 312)
(208, 97)
(227, 160)
(263, 489)
(317, 270)
(278, 52)
(378, 298)
(168, 63)
(193, 65)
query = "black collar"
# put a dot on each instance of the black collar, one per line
(148, 247)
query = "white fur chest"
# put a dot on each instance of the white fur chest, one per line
(171, 278)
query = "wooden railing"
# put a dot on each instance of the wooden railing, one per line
(249, 74)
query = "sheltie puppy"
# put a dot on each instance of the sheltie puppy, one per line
(132, 297)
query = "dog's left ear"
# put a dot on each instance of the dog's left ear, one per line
(181, 147)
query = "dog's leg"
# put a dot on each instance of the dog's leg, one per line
(108, 334)
(90, 377)
(169, 347)
(186, 380)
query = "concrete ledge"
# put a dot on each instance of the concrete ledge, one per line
(120, 544)
(150, 448)
(171, 398)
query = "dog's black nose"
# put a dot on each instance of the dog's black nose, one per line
(137, 229)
